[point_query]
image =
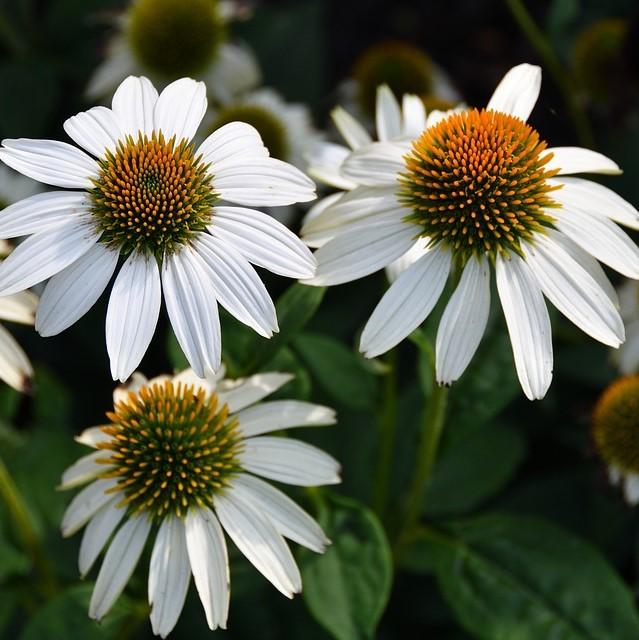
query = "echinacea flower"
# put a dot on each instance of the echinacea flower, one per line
(180, 457)
(615, 430)
(168, 39)
(483, 191)
(153, 199)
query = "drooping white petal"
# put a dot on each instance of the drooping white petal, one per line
(464, 321)
(324, 164)
(259, 541)
(257, 181)
(407, 303)
(132, 315)
(20, 307)
(573, 291)
(73, 291)
(596, 199)
(388, 116)
(96, 130)
(414, 116)
(352, 131)
(289, 461)
(44, 254)
(118, 564)
(41, 212)
(234, 71)
(631, 488)
(85, 504)
(118, 63)
(600, 237)
(169, 576)
(528, 325)
(232, 142)
(56, 163)
(289, 519)
(190, 302)
(359, 253)
(518, 91)
(237, 287)
(577, 160)
(282, 414)
(263, 241)
(180, 108)
(15, 368)
(92, 436)
(321, 238)
(627, 357)
(209, 563)
(420, 247)
(133, 105)
(83, 470)
(98, 532)
(246, 391)
(376, 164)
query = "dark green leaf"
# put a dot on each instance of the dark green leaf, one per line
(12, 561)
(347, 588)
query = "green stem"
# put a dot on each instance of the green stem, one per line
(551, 61)
(25, 530)
(388, 424)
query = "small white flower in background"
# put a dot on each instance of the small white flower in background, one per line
(169, 39)
(615, 431)
(154, 199)
(626, 358)
(482, 191)
(181, 455)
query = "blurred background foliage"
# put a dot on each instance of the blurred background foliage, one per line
(523, 538)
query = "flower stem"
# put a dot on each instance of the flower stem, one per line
(388, 422)
(550, 59)
(25, 530)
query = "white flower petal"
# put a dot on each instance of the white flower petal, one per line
(237, 286)
(290, 520)
(97, 533)
(577, 160)
(209, 563)
(420, 247)
(324, 164)
(407, 303)
(518, 91)
(246, 391)
(289, 461)
(83, 470)
(85, 505)
(528, 325)
(44, 254)
(118, 63)
(388, 116)
(180, 108)
(92, 436)
(133, 105)
(259, 541)
(376, 164)
(263, 241)
(359, 253)
(118, 564)
(169, 576)
(132, 315)
(464, 321)
(352, 131)
(190, 301)
(627, 357)
(573, 291)
(15, 368)
(234, 71)
(70, 293)
(257, 181)
(414, 116)
(631, 488)
(20, 307)
(49, 161)
(320, 238)
(282, 414)
(42, 212)
(96, 130)
(232, 142)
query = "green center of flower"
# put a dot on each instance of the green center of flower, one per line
(171, 448)
(477, 183)
(616, 424)
(404, 68)
(151, 195)
(269, 126)
(175, 38)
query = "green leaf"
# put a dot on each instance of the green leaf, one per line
(65, 618)
(347, 588)
(12, 561)
(473, 469)
(300, 387)
(338, 370)
(520, 578)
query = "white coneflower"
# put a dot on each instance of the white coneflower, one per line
(182, 456)
(169, 39)
(615, 430)
(481, 190)
(155, 200)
